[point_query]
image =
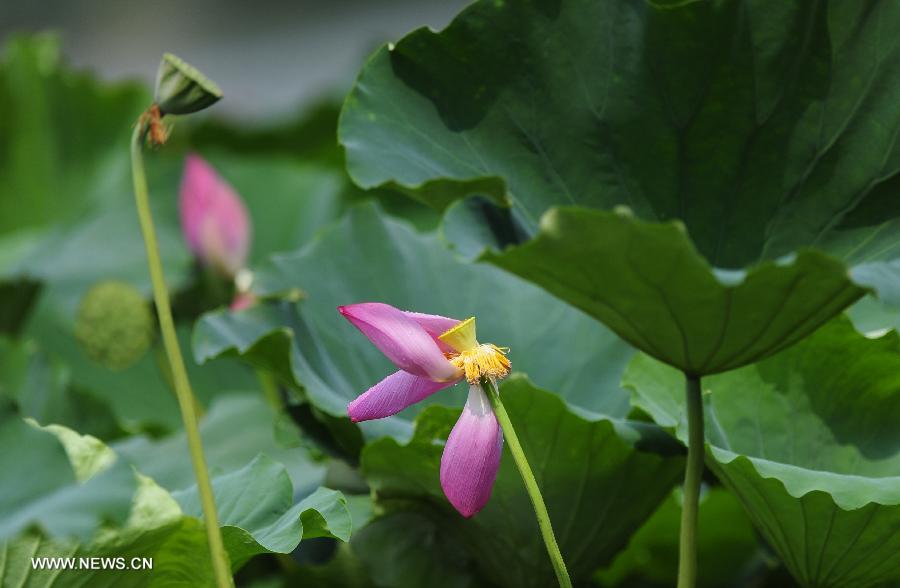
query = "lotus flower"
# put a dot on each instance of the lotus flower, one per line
(213, 218)
(434, 352)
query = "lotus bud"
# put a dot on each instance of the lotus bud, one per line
(213, 218)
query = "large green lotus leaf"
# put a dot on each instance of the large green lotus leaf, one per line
(257, 510)
(65, 485)
(763, 129)
(726, 545)
(589, 470)
(648, 283)
(371, 257)
(807, 439)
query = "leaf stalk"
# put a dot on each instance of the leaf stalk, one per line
(693, 475)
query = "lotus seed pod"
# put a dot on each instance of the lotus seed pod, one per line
(114, 324)
(182, 89)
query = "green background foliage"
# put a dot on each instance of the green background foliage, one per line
(706, 182)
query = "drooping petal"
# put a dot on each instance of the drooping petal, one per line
(402, 339)
(391, 395)
(213, 217)
(436, 325)
(472, 455)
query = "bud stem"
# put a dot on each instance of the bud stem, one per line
(218, 555)
(531, 486)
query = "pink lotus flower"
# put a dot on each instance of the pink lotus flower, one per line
(433, 353)
(213, 218)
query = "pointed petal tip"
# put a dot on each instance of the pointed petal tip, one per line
(402, 339)
(353, 411)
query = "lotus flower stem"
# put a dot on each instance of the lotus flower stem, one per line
(534, 493)
(687, 554)
(221, 567)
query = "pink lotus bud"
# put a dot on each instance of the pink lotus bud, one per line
(213, 218)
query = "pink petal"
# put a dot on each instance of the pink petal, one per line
(213, 217)
(391, 395)
(401, 339)
(436, 326)
(472, 455)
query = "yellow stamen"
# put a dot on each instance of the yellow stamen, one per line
(482, 361)
(474, 359)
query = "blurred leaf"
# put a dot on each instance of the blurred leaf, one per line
(52, 491)
(307, 137)
(141, 396)
(288, 201)
(600, 478)
(65, 159)
(257, 511)
(63, 137)
(753, 125)
(234, 430)
(17, 297)
(873, 317)
(371, 257)
(807, 440)
(42, 390)
(726, 545)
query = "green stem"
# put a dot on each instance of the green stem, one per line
(693, 474)
(221, 567)
(534, 493)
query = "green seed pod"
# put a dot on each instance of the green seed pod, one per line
(182, 89)
(114, 324)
